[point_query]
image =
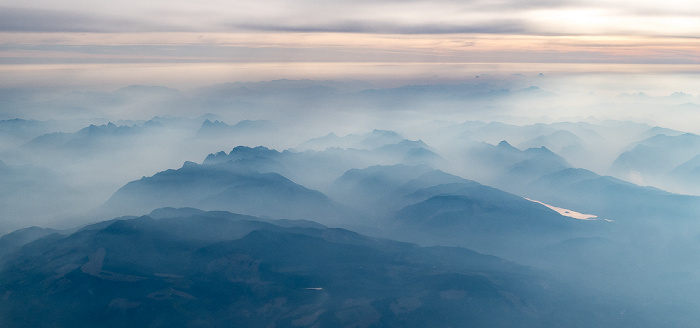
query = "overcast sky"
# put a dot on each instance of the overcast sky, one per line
(179, 32)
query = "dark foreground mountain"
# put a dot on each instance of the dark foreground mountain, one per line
(235, 270)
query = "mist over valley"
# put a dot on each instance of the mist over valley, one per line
(344, 203)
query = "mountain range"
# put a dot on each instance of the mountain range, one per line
(323, 203)
(192, 268)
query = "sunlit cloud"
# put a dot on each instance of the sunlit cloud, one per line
(670, 18)
(275, 32)
(344, 47)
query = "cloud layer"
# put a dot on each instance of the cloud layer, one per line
(179, 32)
(672, 18)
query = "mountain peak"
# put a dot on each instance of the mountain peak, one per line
(542, 150)
(215, 123)
(252, 150)
(505, 144)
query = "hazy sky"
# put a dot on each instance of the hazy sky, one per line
(59, 41)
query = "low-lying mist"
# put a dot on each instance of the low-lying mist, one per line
(91, 143)
(462, 164)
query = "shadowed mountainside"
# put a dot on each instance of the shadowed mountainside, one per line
(154, 272)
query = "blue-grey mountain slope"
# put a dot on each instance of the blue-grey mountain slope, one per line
(614, 199)
(509, 168)
(92, 138)
(224, 186)
(147, 272)
(317, 169)
(369, 140)
(686, 177)
(245, 128)
(419, 204)
(18, 238)
(652, 161)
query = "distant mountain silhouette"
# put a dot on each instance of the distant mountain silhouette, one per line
(419, 204)
(17, 131)
(362, 187)
(489, 220)
(686, 176)
(555, 141)
(224, 186)
(92, 138)
(509, 168)
(651, 161)
(318, 168)
(369, 140)
(612, 198)
(246, 127)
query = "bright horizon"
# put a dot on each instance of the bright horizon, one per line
(591, 53)
(54, 43)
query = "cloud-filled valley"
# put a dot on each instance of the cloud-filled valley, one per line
(349, 163)
(329, 203)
